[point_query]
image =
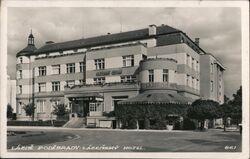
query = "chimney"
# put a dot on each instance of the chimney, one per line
(152, 29)
(197, 41)
(49, 42)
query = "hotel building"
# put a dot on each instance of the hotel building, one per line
(92, 75)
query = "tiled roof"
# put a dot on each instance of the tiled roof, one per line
(104, 40)
(27, 50)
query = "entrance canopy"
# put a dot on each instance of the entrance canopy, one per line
(85, 96)
(157, 97)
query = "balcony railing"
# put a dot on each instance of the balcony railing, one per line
(158, 85)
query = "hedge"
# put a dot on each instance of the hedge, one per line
(57, 123)
(128, 114)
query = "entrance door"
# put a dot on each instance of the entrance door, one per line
(85, 106)
(80, 107)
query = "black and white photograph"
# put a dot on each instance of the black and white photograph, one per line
(124, 79)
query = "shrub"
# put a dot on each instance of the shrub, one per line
(188, 124)
(159, 125)
(146, 123)
(30, 110)
(9, 111)
(61, 111)
(177, 125)
(132, 124)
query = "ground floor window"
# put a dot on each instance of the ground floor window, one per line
(96, 107)
(99, 80)
(40, 106)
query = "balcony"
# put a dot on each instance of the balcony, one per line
(103, 86)
(158, 85)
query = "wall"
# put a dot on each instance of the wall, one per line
(207, 76)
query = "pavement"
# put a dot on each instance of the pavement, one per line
(51, 139)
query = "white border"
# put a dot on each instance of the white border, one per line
(244, 5)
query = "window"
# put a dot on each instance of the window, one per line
(197, 65)
(95, 107)
(19, 110)
(70, 68)
(212, 86)
(212, 68)
(21, 60)
(99, 80)
(182, 40)
(187, 80)
(165, 75)
(70, 83)
(81, 81)
(19, 74)
(193, 82)
(151, 75)
(20, 89)
(41, 87)
(81, 66)
(187, 59)
(55, 69)
(129, 78)
(128, 60)
(197, 84)
(40, 106)
(42, 70)
(56, 86)
(99, 64)
(193, 61)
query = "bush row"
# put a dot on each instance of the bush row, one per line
(186, 124)
(56, 123)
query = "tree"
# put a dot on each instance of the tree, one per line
(60, 110)
(202, 110)
(30, 110)
(236, 104)
(9, 111)
(225, 111)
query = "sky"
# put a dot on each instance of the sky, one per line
(219, 30)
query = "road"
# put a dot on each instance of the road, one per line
(93, 140)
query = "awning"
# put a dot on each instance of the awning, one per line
(157, 97)
(77, 95)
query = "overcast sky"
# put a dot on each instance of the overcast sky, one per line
(219, 29)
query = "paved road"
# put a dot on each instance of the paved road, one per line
(92, 140)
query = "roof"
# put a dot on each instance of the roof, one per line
(105, 39)
(157, 97)
(26, 51)
(31, 36)
(217, 61)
